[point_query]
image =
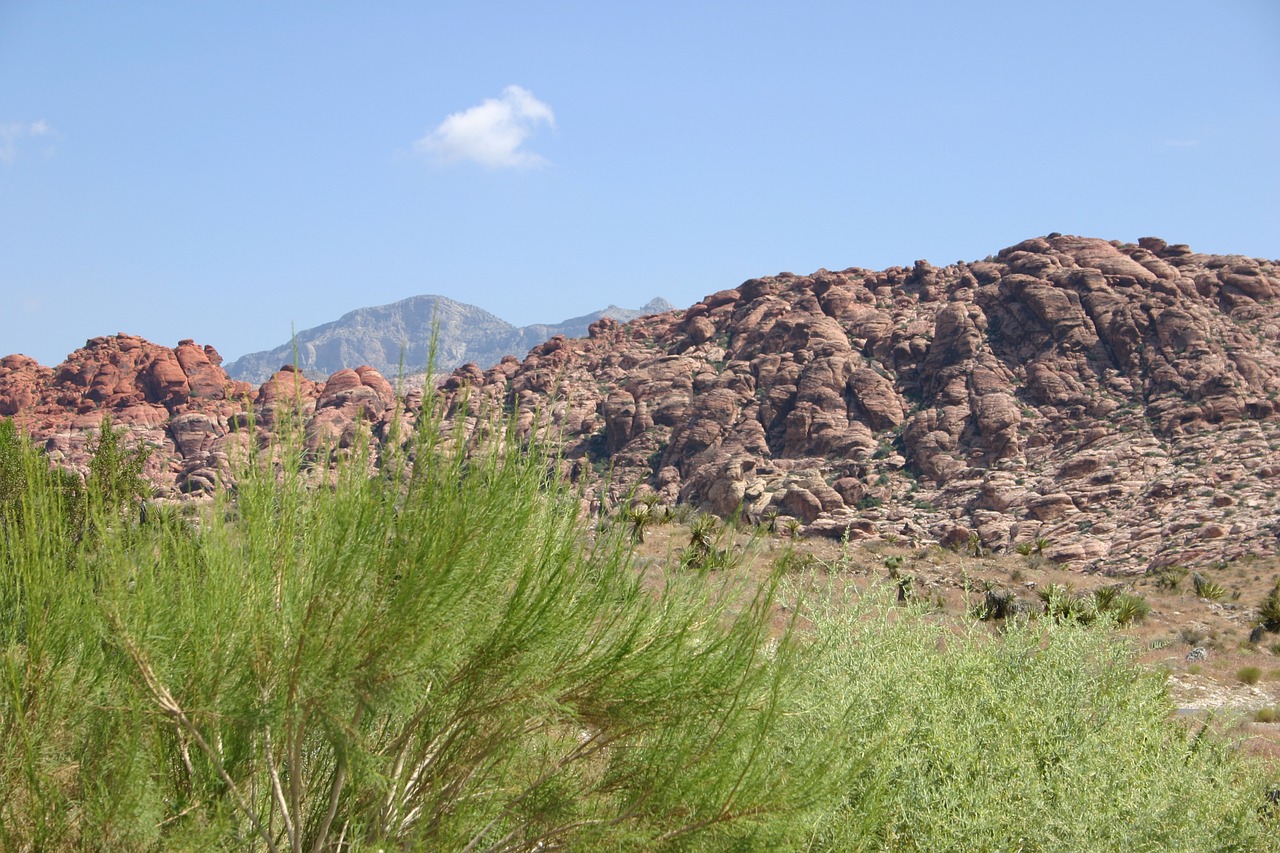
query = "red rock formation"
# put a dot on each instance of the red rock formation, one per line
(1118, 400)
(181, 403)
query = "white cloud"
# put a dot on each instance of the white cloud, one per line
(491, 133)
(13, 133)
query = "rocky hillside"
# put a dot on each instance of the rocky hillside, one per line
(377, 337)
(1118, 401)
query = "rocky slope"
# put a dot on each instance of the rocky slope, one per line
(377, 336)
(1118, 401)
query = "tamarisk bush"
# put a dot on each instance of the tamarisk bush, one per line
(333, 661)
(422, 652)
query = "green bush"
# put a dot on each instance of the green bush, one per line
(1269, 612)
(435, 661)
(1049, 736)
(1063, 603)
(1125, 607)
(429, 663)
(1249, 674)
(1207, 589)
(1169, 577)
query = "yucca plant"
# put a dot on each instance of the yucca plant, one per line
(1129, 608)
(1063, 604)
(1105, 596)
(707, 548)
(1169, 577)
(638, 517)
(1206, 588)
(996, 603)
(1124, 607)
(1269, 612)
(771, 519)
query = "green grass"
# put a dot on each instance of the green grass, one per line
(430, 658)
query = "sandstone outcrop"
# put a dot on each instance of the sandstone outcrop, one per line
(1117, 403)
(181, 403)
(1117, 400)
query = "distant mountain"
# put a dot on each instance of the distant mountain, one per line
(396, 338)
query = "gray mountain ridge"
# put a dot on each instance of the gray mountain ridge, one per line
(395, 339)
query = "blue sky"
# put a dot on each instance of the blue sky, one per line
(226, 171)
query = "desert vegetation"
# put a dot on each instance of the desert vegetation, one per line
(444, 655)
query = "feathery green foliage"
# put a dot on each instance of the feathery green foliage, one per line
(432, 659)
(1047, 737)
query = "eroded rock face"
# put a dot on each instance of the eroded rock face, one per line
(182, 404)
(1120, 401)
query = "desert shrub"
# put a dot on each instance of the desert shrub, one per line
(13, 465)
(35, 496)
(433, 662)
(1269, 612)
(1267, 714)
(1207, 589)
(1169, 577)
(1249, 674)
(792, 560)
(115, 480)
(1124, 607)
(437, 662)
(1191, 636)
(1050, 736)
(1129, 608)
(1063, 603)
